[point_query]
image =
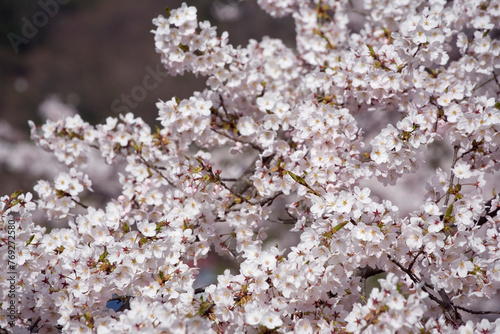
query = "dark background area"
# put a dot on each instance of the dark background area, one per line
(90, 52)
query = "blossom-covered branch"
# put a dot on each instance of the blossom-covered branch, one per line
(305, 137)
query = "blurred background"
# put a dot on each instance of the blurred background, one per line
(88, 53)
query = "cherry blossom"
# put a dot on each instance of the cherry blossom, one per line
(278, 168)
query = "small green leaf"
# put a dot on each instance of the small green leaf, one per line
(297, 179)
(142, 241)
(301, 181)
(372, 52)
(103, 256)
(205, 308)
(339, 227)
(314, 192)
(135, 146)
(448, 217)
(16, 194)
(183, 47)
(199, 161)
(16, 202)
(30, 240)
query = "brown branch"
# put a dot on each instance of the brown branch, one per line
(268, 200)
(445, 301)
(367, 272)
(483, 219)
(407, 271)
(229, 179)
(79, 203)
(236, 139)
(476, 312)
(283, 221)
(452, 175)
(494, 78)
(153, 167)
(421, 251)
(223, 106)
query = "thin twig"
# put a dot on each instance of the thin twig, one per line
(236, 139)
(445, 302)
(200, 290)
(33, 326)
(408, 272)
(452, 175)
(79, 203)
(421, 251)
(282, 221)
(496, 79)
(476, 312)
(223, 106)
(485, 83)
(269, 199)
(153, 167)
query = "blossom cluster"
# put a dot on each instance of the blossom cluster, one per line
(425, 71)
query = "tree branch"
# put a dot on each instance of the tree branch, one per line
(236, 139)
(445, 301)
(452, 175)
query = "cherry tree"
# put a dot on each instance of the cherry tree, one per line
(425, 71)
